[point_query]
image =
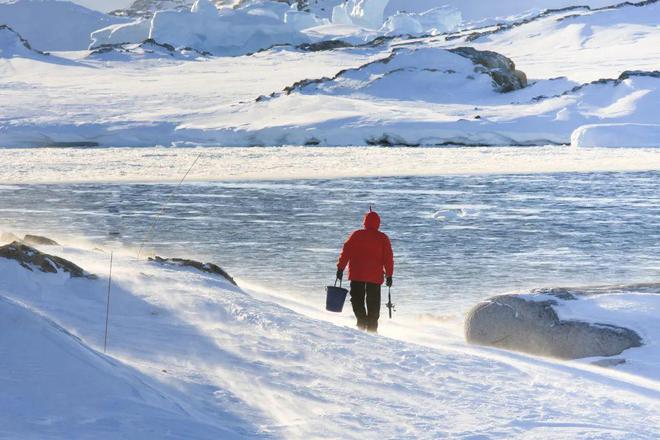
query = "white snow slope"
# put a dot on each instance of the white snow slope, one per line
(51, 25)
(167, 99)
(256, 369)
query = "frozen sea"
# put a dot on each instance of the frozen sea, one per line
(457, 238)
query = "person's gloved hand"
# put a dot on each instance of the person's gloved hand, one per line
(340, 274)
(388, 282)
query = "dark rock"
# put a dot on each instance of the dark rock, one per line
(500, 68)
(202, 267)
(73, 144)
(608, 363)
(31, 259)
(148, 46)
(516, 323)
(38, 239)
(324, 45)
(386, 140)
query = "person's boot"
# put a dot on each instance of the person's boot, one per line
(362, 325)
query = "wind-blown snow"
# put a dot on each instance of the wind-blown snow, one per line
(55, 386)
(232, 358)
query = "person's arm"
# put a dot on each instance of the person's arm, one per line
(345, 255)
(388, 260)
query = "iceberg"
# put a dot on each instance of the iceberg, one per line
(364, 13)
(251, 27)
(433, 21)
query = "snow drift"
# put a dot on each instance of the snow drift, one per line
(215, 362)
(617, 135)
(55, 386)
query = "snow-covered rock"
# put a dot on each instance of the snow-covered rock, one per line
(13, 45)
(148, 49)
(530, 323)
(39, 240)
(52, 25)
(426, 74)
(617, 135)
(211, 268)
(32, 259)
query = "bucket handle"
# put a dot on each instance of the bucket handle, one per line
(339, 282)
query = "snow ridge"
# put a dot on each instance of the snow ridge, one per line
(503, 27)
(13, 44)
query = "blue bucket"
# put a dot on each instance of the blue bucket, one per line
(335, 298)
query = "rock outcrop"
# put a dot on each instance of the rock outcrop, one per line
(531, 325)
(13, 44)
(32, 259)
(202, 267)
(500, 68)
(425, 73)
(38, 239)
(149, 48)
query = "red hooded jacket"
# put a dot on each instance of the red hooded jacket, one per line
(368, 252)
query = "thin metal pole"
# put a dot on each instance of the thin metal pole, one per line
(167, 202)
(107, 308)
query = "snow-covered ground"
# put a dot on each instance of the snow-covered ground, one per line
(525, 191)
(190, 355)
(120, 97)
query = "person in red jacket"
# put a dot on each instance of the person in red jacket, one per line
(368, 254)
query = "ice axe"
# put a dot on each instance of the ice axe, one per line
(389, 301)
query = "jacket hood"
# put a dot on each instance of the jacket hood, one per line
(371, 220)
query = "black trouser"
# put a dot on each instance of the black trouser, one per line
(367, 319)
